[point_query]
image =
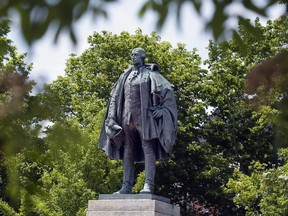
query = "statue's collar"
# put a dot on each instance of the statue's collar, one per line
(139, 69)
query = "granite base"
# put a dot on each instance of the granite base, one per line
(132, 205)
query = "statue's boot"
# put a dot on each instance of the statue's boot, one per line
(150, 169)
(128, 174)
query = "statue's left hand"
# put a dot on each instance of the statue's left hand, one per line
(157, 113)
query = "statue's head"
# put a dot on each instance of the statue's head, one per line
(140, 51)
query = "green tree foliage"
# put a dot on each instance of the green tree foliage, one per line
(15, 131)
(227, 117)
(197, 170)
(85, 89)
(218, 130)
(38, 16)
(50, 171)
(242, 123)
(220, 15)
(264, 191)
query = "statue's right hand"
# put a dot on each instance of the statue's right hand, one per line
(157, 113)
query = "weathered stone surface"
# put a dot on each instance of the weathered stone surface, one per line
(133, 196)
(132, 205)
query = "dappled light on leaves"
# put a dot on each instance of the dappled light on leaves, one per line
(228, 155)
(267, 81)
(13, 89)
(220, 13)
(37, 16)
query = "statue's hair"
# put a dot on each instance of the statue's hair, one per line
(141, 51)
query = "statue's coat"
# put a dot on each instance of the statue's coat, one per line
(162, 131)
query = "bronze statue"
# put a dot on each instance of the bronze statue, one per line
(141, 121)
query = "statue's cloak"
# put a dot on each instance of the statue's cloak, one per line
(156, 93)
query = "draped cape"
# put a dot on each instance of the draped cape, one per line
(155, 93)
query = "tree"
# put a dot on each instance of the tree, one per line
(219, 131)
(38, 16)
(197, 170)
(44, 171)
(220, 14)
(214, 137)
(229, 63)
(14, 95)
(263, 190)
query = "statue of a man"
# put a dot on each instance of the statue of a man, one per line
(141, 121)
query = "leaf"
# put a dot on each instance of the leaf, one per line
(250, 28)
(144, 8)
(178, 13)
(217, 21)
(251, 6)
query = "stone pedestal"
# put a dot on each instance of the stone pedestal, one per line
(132, 205)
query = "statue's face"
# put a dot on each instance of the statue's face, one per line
(136, 58)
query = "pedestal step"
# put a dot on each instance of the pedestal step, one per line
(132, 205)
